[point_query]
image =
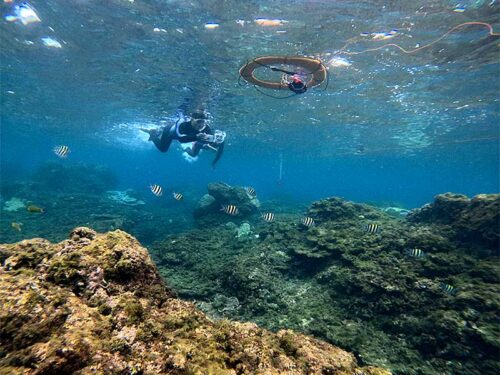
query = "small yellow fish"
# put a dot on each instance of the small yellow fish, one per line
(268, 22)
(16, 226)
(33, 208)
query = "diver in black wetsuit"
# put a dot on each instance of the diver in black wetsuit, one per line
(194, 130)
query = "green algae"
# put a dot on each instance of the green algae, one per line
(358, 290)
(65, 269)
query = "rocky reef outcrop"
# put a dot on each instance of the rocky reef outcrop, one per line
(95, 303)
(475, 220)
(208, 212)
(426, 312)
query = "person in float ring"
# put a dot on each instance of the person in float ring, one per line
(194, 130)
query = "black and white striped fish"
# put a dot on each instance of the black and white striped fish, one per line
(177, 196)
(268, 216)
(308, 221)
(251, 192)
(230, 209)
(61, 151)
(417, 253)
(372, 228)
(447, 288)
(156, 190)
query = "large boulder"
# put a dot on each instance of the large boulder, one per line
(209, 211)
(473, 220)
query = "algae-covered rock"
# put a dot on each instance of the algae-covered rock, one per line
(96, 304)
(445, 209)
(474, 220)
(244, 231)
(339, 209)
(209, 213)
(426, 312)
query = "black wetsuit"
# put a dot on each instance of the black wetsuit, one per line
(185, 133)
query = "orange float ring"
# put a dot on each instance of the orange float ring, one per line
(316, 69)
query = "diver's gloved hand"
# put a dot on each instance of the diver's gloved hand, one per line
(205, 137)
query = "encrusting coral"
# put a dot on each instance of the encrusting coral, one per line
(95, 303)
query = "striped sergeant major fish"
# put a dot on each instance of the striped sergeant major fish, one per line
(447, 288)
(268, 216)
(417, 253)
(177, 196)
(61, 151)
(308, 221)
(251, 192)
(372, 228)
(156, 190)
(230, 209)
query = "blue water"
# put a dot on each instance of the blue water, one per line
(390, 128)
(427, 122)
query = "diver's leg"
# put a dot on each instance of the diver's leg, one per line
(163, 138)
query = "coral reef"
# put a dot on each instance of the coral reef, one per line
(208, 212)
(124, 197)
(244, 231)
(14, 204)
(363, 291)
(96, 304)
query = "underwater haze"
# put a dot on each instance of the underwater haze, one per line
(426, 123)
(409, 110)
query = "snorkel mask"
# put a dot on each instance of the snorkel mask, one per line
(198, 119)
(297, 85)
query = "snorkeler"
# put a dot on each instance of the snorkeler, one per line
(193, 130)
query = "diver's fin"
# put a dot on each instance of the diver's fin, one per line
(153, 133)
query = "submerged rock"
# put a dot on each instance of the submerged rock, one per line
(473, 220)
(366, 292)
(208, 212)
(96, 304)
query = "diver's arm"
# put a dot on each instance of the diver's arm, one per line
(188, 138)
(218, 155)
